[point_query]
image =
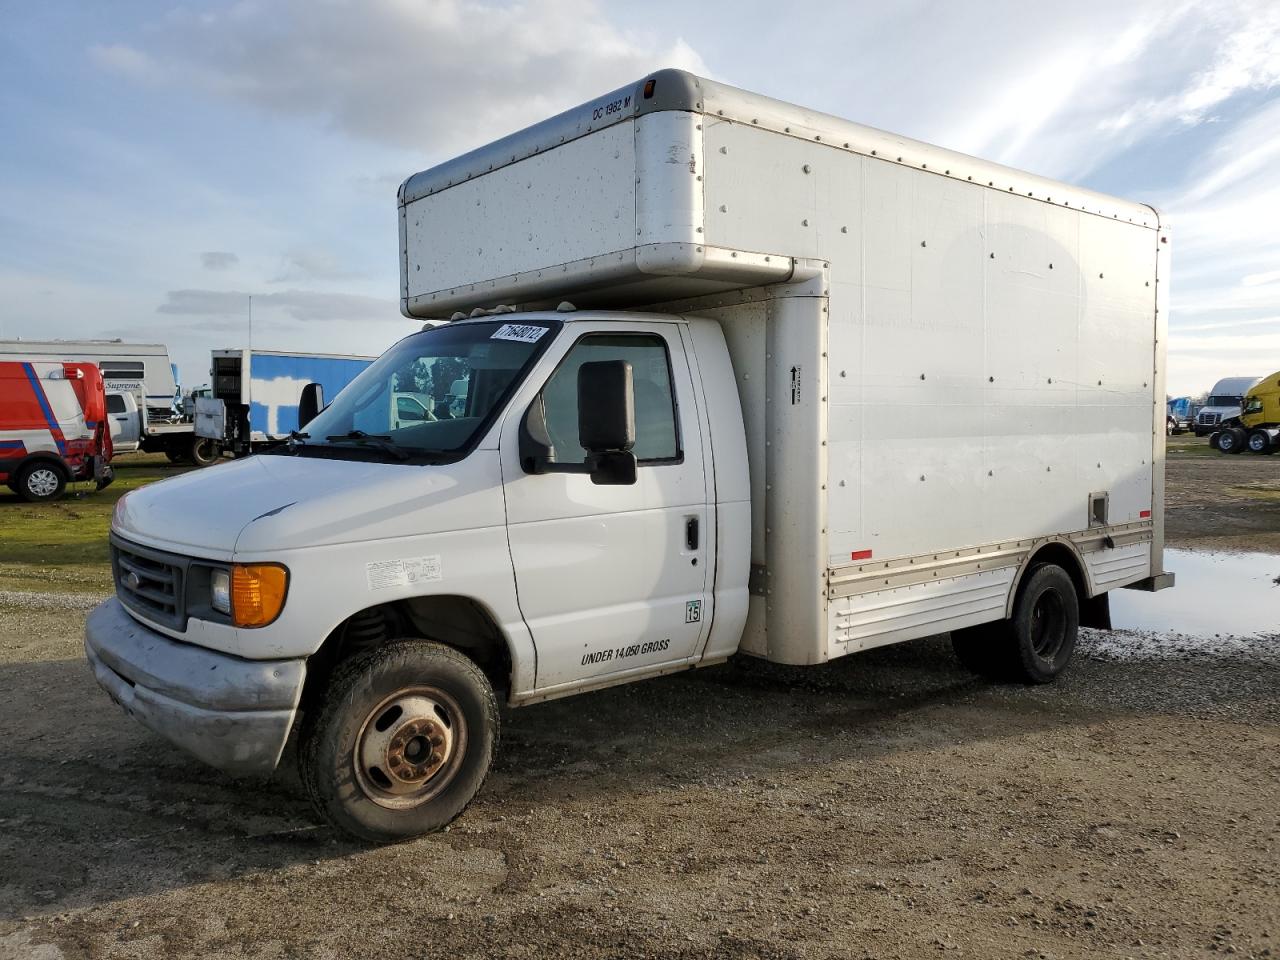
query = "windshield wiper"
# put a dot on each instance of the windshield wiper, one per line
(381, 441)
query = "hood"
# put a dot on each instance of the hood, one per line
(268, 503)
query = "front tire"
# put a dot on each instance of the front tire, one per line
(41, 482)
(402, 743)
(1259, 442)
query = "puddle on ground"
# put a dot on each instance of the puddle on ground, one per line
(1215, 593)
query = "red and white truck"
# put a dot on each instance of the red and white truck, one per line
(53, 427)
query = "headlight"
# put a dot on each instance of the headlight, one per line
(257, 593)
(220, 591)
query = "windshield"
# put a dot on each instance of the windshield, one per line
(1223, 401)
(429, 397)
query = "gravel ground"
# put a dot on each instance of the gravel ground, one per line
(885, 805)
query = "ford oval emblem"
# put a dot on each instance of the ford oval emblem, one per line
(132, 581)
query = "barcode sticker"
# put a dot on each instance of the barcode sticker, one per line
(524, 333)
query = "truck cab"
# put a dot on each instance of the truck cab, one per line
(1260, 416)
(1222, 407)
(566, 537)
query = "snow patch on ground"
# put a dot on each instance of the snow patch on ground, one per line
(1128, 645)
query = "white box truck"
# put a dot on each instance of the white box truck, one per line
(778, 384)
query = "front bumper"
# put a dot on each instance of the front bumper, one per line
(231, 713)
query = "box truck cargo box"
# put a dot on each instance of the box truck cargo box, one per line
(722, 375)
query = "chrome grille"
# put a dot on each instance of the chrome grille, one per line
(150, 582)
(1209, 419)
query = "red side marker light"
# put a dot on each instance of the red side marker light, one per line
(648, 88)
(860, 555)
(1145, 513)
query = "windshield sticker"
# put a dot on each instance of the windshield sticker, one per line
(385, 574)
(521, 332)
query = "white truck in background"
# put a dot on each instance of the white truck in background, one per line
(1223, 405)
(726, 376)
(133, 430)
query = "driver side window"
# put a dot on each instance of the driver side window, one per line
(657, 439)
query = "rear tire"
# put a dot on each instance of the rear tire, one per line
(1232, 440)
(205, 452)
(41, 482)
(1036, 643)
(402, 743)
(1259, 442)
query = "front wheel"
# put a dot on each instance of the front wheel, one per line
(402, 742)
(1259, 441)
(41, 482)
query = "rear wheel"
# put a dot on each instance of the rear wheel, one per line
(41, 481)
(402, 743)
(1232, 440)
(1036, 643)
(204, 452)
(1259, 442)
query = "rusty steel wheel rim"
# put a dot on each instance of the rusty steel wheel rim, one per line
(409, 747)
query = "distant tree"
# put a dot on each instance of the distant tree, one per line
(413, 377)
(446, 370)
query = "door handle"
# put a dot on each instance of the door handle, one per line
(691, 533)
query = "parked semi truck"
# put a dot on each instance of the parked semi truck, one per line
(1257, 428)
(730, 377)
(255, 394)
(1222, 407)
(53, 429)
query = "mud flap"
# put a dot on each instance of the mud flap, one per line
(102, 474)
(1095, 612)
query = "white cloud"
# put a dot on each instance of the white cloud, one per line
(125, 60)
(218, 260)
(304, 306)
(304, 265)
(434, 76)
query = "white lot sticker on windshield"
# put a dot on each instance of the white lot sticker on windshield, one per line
(384, 574)
(525, 333)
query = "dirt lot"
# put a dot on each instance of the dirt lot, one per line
(888, 805)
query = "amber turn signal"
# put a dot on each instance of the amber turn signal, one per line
(257, 593)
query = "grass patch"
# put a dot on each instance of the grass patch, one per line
(62, 546)
(1257, 492)
(1189, 445)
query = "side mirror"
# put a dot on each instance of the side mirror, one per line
(606, 406)
(311, 403)
(607, 420)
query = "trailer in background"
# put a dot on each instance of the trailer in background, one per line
(256, 393)
(142, 369)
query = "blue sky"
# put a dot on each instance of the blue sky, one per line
(160, 162)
